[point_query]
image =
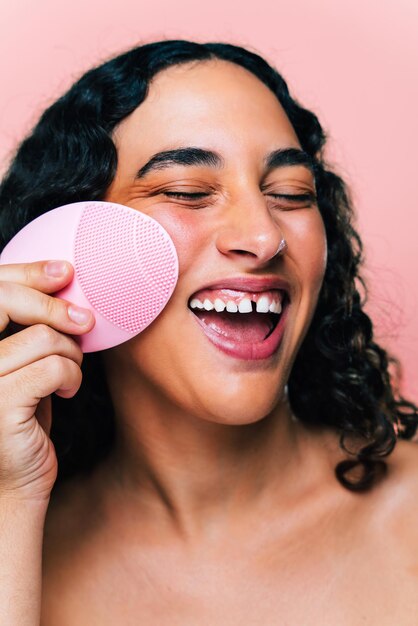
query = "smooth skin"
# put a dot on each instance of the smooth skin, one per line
(217, 506)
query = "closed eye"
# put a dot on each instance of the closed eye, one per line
(292, 197)
(295, 197)
(179, 194)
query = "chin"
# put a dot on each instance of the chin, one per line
(239, 413)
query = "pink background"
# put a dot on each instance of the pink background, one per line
(353, 63)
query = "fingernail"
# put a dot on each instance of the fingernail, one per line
(78, 315)
(56, 269)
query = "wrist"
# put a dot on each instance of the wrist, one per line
(13, 502)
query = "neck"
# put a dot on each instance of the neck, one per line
(196, 474)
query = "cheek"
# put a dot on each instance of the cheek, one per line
(187, 232)
(309, 246)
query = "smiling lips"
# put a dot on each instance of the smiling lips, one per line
(243, 324)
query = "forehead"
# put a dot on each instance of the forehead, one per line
(208, 101)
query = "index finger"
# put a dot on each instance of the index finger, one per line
(46, 275)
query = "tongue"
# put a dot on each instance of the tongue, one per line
(243, 327)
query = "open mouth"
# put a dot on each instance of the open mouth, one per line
(249, 327)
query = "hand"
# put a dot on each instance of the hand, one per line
(35, 362)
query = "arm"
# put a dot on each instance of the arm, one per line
(35, 362)
(21, 534)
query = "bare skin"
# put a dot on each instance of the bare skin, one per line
(330, 557)
(216, 505)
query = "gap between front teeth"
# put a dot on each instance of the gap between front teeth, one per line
(245, 306)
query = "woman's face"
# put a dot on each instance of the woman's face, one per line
(216, 365)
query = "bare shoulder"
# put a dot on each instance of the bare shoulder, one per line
(402, 476)
(395, 500)
(70, 524)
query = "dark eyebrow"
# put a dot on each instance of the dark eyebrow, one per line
(199, 156)
(289, 156)
(181, 156)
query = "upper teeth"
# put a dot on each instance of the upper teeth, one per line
(264, 305)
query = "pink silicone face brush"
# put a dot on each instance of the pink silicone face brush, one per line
(125, 263)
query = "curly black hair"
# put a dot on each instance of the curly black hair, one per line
(341, 378)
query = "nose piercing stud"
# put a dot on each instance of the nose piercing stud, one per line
(282, 246)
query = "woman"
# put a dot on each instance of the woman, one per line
(207, 475)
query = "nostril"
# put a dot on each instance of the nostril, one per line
(244, 252)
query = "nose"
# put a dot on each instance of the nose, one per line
(249, 230)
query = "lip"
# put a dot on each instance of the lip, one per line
(248, 351)
(250, 284)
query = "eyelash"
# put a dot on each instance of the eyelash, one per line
(302, 197)
(179, 194)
